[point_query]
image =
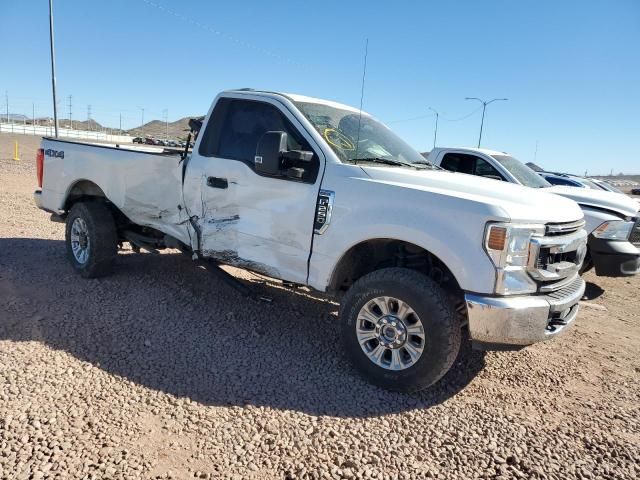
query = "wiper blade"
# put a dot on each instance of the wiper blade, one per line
(387, 161)
(428, 164)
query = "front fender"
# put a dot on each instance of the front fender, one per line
(456, 239)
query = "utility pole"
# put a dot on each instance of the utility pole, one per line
(70, 118)
(535, 154)
(142, 124)
(121, 122)
(53, 67)
(435, 133)
(89, 117)
(33, 113)
(484, 107)
(165, 113)
(6, 99)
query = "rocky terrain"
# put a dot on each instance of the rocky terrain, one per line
(163, 371)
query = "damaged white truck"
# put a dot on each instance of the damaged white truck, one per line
(320, 194)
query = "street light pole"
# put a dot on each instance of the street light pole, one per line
(142, 125)
(53, 67)
(435, 133)
(484, 107)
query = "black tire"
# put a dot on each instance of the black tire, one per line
(442, 330)
(101, 235)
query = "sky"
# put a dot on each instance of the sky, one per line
(570, 69)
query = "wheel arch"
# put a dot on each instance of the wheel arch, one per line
(374, 254)
(81, 188)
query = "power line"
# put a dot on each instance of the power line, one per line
(220, 33)
(409, 119)
(463, 117)
(429, 115)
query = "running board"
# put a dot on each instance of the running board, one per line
(233, 282)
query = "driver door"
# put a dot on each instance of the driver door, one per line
(258, 222)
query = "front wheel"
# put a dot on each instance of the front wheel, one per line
(91, 238)
(400, 329)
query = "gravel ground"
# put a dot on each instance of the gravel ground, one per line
(162, 371)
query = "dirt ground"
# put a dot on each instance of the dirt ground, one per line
(162, 371)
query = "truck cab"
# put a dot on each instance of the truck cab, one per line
(320, 194)
(612, 219)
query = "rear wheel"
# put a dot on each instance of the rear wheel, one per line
(91, 239)
(400, 329)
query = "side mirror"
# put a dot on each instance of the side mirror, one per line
(297, 155)
(273, 159)
(269, 153)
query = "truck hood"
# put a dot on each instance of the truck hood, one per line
(517, 202)
(615, 202)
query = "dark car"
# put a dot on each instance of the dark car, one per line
(555, 179)
(138, 140)
(149, 141)
(635, 191)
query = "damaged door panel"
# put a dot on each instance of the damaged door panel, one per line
(153, 194)
(260, 222)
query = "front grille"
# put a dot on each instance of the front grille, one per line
(566, 291)
(546, 258)
(556, 258)
(635, 233)
(556, 229)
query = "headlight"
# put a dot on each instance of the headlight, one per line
(507, 244)
(614, 230)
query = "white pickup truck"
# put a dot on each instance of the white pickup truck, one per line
(612, 219)
(317, 193)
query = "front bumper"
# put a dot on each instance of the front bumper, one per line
(512, 322)
(614, 258)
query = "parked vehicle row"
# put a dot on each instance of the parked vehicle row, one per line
(612, 219)
(162, 143)
(320, 194)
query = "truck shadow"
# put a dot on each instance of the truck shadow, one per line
(163, 323)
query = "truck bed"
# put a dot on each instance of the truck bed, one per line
(146, 186)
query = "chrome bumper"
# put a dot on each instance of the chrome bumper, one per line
(523, 320)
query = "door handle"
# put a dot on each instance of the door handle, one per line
(215, 182)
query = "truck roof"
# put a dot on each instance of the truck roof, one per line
(298, 98)
(486, 151)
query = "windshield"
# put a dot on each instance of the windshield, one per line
(521, 172)
(589, 184)
(607, 186)
(373, 141)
